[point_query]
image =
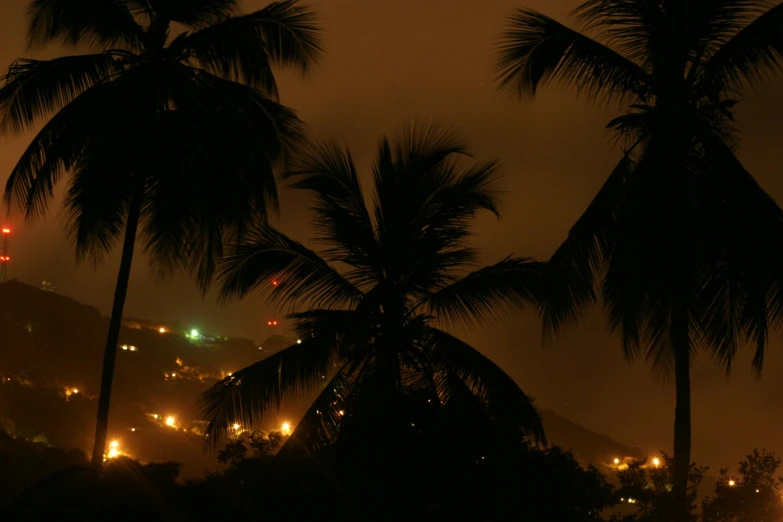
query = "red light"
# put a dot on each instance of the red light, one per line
(269, 323)
(274, 323)
(274, 283)
(6, 231)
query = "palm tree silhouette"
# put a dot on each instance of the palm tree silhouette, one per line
(683, 243)
(371, 330)
(170, 129)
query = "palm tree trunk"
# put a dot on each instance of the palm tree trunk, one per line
(682, 412)
(115, 323)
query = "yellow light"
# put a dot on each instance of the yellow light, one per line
(162, 330)
(286, 428)
(114, 452)
(178, 361)
(173, 374)
(124, 346)
(341, 412)
(133, 348)
(298, 341)
(115, 444)
(170, 421)
(154, 415)
(757, 491)
(616, 461)
(656, 462)
(731, 483)
(236, 426)
(133, 429)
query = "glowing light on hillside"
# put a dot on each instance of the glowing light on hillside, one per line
(194, 334)
(124, 346)
(274, 283)
(170, 421)
(6, 230)
(616, 461)
(732, 483)
(341, 413)
(178, 361)
(114, 444)
(114, 453)
(298, 341)
(235, 426)
(757, 491)
(162, 330)
(285, 428)
(656, 462)
(132, 348)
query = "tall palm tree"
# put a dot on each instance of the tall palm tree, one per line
(684, 245)
(169, 130)
(387, 278)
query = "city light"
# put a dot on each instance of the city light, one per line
(170, 421)
(194, 333)
(285, 428)
(731, 483)
(298, 341)
(656, 462)
(162, 330)
(132, 348)
(236, 426)
(616, 461)
(124, 346)
(6, 230)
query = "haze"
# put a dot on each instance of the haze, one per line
(392, 60)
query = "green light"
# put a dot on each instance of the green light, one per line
(194, 333)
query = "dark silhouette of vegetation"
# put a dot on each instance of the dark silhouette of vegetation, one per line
(169, 129)
(681, 242)
(649, 488)
(258, 484)
(754, 495)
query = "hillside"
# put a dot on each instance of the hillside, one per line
(51, 348)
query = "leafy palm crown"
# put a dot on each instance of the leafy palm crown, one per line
(370, 330)
(680, 227)
(177, 102)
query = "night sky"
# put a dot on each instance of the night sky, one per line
(393, 60)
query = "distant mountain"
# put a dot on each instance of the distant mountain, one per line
(51, 348)
(588, 446)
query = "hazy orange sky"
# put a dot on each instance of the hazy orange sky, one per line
(393, 60)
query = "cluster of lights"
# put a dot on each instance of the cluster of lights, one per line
(6, 231)
(71, 391)
(4, 259)
(129, 348)
(271, 323)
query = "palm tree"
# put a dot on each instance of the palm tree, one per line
(169, 130)
(683, 244)
(376, 293)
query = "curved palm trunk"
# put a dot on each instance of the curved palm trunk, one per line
(682, 412)
(110, 352)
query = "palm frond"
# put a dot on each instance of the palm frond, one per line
(33, 89)
(231, 49)
(96, 23)
(269, 261)
(195, 13)
(438, 211)
(502, 396)
(536, 50)
(247, 396)
(97, 203)
(291, 33)
(750, 56)
(321, 423)
(484, 294)
(98, 111)
(414, 167)
(213, 183)
(741, 283)
(342, 221)
(577, 266)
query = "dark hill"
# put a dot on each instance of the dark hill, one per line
(51, 345)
